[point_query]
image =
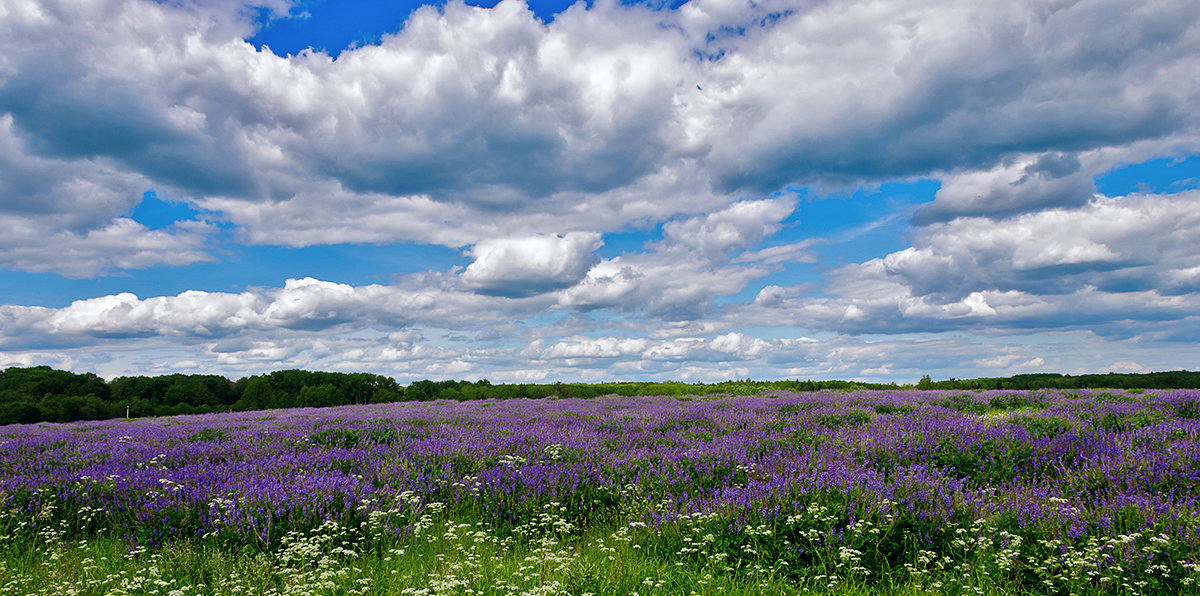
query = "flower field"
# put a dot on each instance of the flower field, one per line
(1047, 492)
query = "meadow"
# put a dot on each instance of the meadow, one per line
(862, 492)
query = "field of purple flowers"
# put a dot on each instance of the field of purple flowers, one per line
(1085, 491)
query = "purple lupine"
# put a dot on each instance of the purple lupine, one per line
(1069, 464)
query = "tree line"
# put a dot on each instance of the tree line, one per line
(1177, 379)
(44, 394)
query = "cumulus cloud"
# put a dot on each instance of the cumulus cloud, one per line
(64, 217)
(657, 284)
(300, 326)
(608, 116)
(301, 305)
(1139, 242)
(730, 346)
(482, 107)
(1119, 266)
(523, 143)
(699, 258)
(60, 195)
(121, 244)
(521, 267)
(1046, 181)
(718, 356)
(770, 295)
(943, 86)
(740, 226)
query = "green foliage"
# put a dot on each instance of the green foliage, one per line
(1188, 410)
(257, 395)
(1179, 379)
(553, 552)
(353, 437)
(892, 408)
(1125, 421)
(42, 394)
(848, 417)
(986, 463)
(209, 435)
(1041, 426)
(966, 403)
(320, 396)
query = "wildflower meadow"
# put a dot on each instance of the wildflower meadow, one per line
(861, 492)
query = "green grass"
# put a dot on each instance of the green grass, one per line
(546, 556)
(460, 565)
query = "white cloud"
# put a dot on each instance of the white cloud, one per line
(671, 284)
(302, 305)
(363, 218)
(60, 195)
(876, 90)
(421, 352)
(740, 226)
(770, 295)
(190, 313)
(1114, 265)
(796, 252)
(604, 347)
(63, 217)
(728, 347)
(699, 259)
(1027, 184)
(1127, 366)
(1118, 244)
(474, 124)
(438, 135)
(518, 267)
(121, 244)
(523, 143)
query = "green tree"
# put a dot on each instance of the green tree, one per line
(191, 392)
(320, 396)
(258, 395)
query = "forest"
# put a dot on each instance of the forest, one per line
(44, 394)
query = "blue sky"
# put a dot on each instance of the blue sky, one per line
(547, 191)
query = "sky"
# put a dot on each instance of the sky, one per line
(600, 191)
